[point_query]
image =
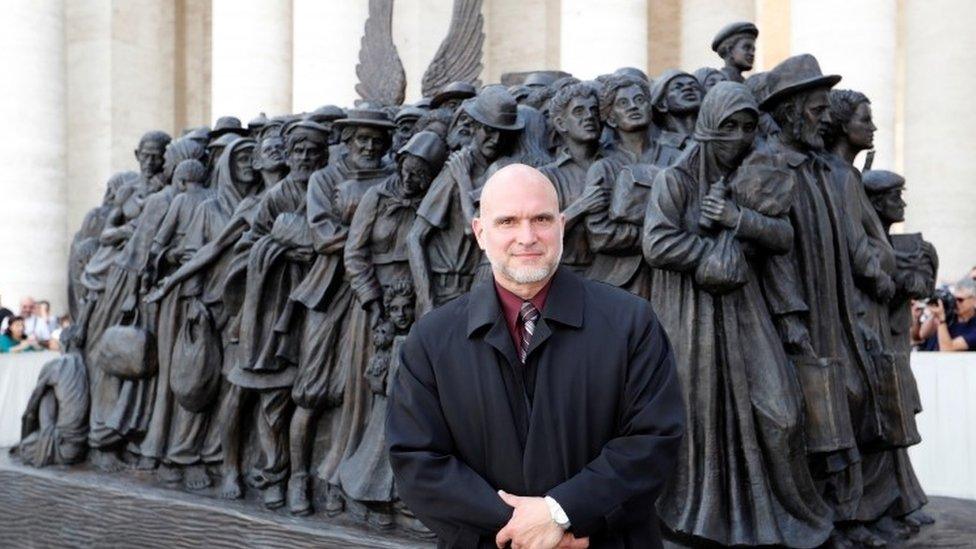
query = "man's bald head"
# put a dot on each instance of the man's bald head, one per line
(519, 227)
(516, 181)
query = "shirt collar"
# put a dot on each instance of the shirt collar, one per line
(563, 302)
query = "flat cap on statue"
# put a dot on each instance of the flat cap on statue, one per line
(879, 181)
(258, 122)
(660, 87)
(326, 113)
(409, 112)
(732, 29)
(427, 146)
(366, 117)
(496, 108)
(223, 140)
(793, 75)
(454, 90)
(227, 124)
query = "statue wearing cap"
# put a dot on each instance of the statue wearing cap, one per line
(444, 255)
(451, 96)
(376, 260)
(405, 121)
(575, 115)
(735, 43)
(271, 258)
(615, 242)
(811, 291)
(332, 329)
(675, 99)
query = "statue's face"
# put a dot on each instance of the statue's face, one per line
(890, 206)
(814, 119)
(631, 110)
(461, 132)
(487, 141)
(400, 311)
(304, 157)
(451, 104)
(684, 95)
(415, 175)
(741, 127)
(367, 147)
(860, 129)
(712, 79)
(272, 156)
(581, 120)
(151, 159)
(242, 165)
(402, 133)
(743, 53)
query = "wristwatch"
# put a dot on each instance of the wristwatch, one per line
(557, 513)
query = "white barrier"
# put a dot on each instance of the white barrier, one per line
(945, 461)
(18, 376)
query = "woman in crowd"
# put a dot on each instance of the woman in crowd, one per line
(13, 339)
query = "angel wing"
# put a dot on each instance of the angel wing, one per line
(380, 71)
(459, 56)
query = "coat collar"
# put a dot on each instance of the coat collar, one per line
(563, 305)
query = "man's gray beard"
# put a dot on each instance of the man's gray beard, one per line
(527, 275)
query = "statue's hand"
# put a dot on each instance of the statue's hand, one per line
(595, 199)
(796, 338)
(884, 288)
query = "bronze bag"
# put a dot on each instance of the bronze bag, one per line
(126, 352)
(896, 401)
(828, 418)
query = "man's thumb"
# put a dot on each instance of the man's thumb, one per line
(508, 498)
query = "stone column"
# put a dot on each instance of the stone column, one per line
(856, 40)
(326, 49)
(252, 57)
(33, 206)
(599, 37)
(520, 35)
(701, 20)
(940, 129)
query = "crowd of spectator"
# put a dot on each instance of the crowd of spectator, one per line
(947, 320)
(33, 328)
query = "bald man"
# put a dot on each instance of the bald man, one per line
(540, 409)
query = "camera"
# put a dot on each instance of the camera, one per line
(948, 303)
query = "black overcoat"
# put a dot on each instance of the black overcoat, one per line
(599, 433)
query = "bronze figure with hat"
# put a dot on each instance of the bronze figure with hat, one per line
(451, 95)
(735, 43)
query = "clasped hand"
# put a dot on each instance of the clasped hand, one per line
(532, 527)
(720, 210)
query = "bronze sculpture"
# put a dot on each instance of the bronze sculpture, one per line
(675, 99)
(735, 43)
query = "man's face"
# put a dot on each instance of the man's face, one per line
(403, 133)
(487, 140)
(400, 310)
(150, 158)
(743, 53)
(26, 307)
(741, 126)
(415, 174)
(684, 95)
(242, 165)
(580, 121)
(305, 157)
(272, 154)
(814, 119)
(630, 111)
(860, 129)
(521, 231)
(965, 302)
(461, 132)
(367, 147)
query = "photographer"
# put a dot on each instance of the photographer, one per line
(948, 330)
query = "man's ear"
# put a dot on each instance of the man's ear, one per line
(476, 228)
(661, 107)
(559, 123)
(135, 152)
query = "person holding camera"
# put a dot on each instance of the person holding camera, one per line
(952, 322)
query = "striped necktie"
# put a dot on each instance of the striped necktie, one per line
(528, 314)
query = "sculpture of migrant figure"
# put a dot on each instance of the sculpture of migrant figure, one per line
(451, 96)
(735, 43)
(675, 99)
(916, 265)
(55, 424)
(707, 77)
(121, 408)
(270, 161)
(886, 471)
(444, 256)
(746, 441)
(615, 235)
(812, 297)
(189, 180)
(271, 259)
(217, 225)
(575, 112)
(335, 342)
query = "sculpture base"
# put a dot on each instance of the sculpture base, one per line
(955, 526)
(79, 507)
